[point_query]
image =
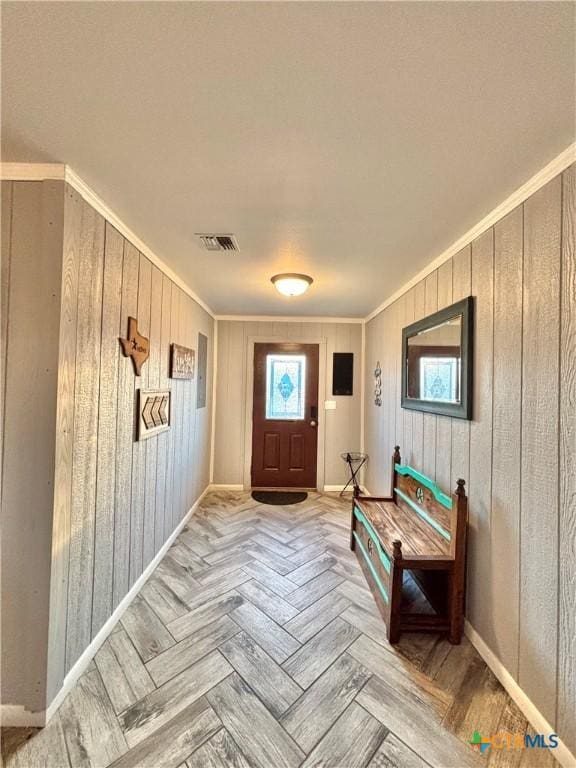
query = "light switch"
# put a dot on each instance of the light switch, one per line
(330, 405)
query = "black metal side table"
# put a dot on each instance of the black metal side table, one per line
(355, 462)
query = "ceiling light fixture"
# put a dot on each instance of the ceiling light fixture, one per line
(291, 284)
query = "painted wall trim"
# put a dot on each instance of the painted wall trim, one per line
(18, 716)
(532, 714)
(225, 487)
(61, 172)
(32, 172)
(554, 168)
(288, 319)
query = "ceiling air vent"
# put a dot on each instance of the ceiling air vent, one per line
(219, 242)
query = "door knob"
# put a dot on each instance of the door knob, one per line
(312, 423)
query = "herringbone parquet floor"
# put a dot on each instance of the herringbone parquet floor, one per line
(257, 644)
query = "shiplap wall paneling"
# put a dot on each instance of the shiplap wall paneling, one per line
(506, 435)
(190, 409)
(176, 417)
(125, 430)
(388, 377)
(102, 503)
(418, 416)
(6, 225)
(178, 389)
(407, 440)
(139, 447)
(397, 362)
(172, 498)
(374, 428)
(460, 428)
(161, 490)
(107, 413)
(153, 363)
(184, 422)
(203, 414)
(85, 451)
(444, 423)
(567, 540)
(517, 454)
(370, 422)
(64, 440)
(220, 427)
(480, 477)
(32, 238)
(192, 459)
(540, 395)
(430, 420)
(342, 432)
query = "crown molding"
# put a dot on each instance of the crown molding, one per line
(546, 174)
(32, 171)
(61, 172)
(288, 319)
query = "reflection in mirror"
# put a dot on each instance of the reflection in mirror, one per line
(434, 363)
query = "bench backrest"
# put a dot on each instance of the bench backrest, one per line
(418, 494)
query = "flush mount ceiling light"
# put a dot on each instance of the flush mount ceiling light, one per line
(291, 284)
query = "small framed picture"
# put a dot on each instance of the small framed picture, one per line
(153, 412)
(182, 362)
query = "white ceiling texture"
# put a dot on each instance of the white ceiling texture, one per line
(350, 141)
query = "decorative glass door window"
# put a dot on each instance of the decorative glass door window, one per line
(439, 379)
(285, 386)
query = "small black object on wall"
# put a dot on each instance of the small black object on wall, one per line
(342, 373)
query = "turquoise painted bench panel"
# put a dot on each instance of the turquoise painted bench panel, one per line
(373, 571)
(384, 559)
(440, 497)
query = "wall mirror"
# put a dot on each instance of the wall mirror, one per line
(437, 355)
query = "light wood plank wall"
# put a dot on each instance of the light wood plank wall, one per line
(83, 501)
(342, 425)
(32, 225)
(518, 454)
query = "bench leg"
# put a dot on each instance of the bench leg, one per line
(352, 528)
(456, 608)
(393, 624)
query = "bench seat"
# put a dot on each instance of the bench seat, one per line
(394, 523)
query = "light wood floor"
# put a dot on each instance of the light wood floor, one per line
(256, 643)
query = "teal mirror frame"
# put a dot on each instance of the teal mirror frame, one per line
(463, 409)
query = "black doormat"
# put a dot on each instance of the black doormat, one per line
(279, 497)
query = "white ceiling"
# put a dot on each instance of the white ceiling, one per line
(350, 141)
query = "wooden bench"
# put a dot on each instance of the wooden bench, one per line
(418, 529)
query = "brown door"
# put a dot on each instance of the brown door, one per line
(285, 416)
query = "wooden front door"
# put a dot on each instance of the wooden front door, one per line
(285, 416)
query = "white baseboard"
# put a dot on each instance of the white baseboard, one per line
(225, 487)
(530, 711)
(18, 716)
(334, 488)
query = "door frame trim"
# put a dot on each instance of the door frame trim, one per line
(322, 347)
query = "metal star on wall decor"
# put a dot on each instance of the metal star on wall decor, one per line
(135, 346)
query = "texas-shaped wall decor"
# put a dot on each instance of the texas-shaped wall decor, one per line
(153, 412)
(135, 346)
